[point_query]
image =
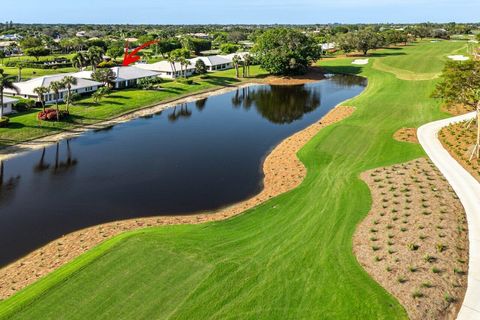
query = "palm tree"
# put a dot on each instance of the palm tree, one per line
(183, 63)
(41, 92)
(55, 87)
(172, 61)
(6, 82)
(20, 67)
(68, 82)
(236, 60)
(247, 60)
(78, 60)
(95, 56)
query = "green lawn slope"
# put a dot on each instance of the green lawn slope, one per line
(290, 258)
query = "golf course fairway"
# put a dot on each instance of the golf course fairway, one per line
(289, 258)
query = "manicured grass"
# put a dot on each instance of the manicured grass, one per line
(25, 126)
(290, 258)
(414, 67)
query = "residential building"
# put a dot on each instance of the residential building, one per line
(214, 63)
(167, 70)
(8, 104)
(26, 88)
(126, 76)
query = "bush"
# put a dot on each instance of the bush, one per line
(4, 122)
(51, 115)
(24, 105)
(149, 83)
(184, 81)
(106, 64)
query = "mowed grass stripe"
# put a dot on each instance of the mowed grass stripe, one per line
(290, 258)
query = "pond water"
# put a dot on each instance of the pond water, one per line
(197, 156)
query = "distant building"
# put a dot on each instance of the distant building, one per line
(167, 70)
(126, 76)
(8, 104)
(214, 63)
(26, 88)
(81, 34)
(11, 37)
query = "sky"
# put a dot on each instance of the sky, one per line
(239, 11)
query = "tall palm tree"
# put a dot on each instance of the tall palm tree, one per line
(55, 87)
(41, 92)
(78, 60)
(6, 82)
(95, 56)
(183, 63)
(20, 67)
(236, 61)
(247, 60)
(171, 59)
(68, 82)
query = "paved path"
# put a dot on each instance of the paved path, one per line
(468, 190)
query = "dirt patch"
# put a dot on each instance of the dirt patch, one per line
(283, 172)
(406, 135)
(414, 241)
(314, 74)
(455, 109)
(459, 140)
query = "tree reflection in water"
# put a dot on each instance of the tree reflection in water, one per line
(63, 166)
(178, 112)
(200, 104)
(279, 104)
(7, 186)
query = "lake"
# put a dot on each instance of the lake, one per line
(194, 157)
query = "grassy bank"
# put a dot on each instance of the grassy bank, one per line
(25, 126)
(290, 258)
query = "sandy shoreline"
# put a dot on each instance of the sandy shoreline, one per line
(283, 171)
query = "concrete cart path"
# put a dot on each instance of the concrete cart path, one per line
(468, 190)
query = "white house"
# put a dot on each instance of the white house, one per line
(230, 56)
(126, 76)
(165, 69)
(214, 63)
(26, 88)
(8, 104)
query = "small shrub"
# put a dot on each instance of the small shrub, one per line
(449, 298)
(413, 246)
(4, 122)
(417, 294)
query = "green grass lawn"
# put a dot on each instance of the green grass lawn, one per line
(290, 258)
(25, 126)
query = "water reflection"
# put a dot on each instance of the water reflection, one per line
(200, 104)
(149, 167)
(279, 104)
(7, 186)
(179, 112)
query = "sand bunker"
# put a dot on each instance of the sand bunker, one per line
(360, 61)
(458, 57)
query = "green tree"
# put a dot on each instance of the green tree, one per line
(200, 67)
(115, 50)
(228, 48)
(2, 55)
(100, 94)
(30, 42)
(460, 84)
(55, 87)
(6, 82)
(106, 76)
(41, 92)
(247, 61)
(37, 52)
(79, 60)
(94, 56)
(285, 51)
(68, 82)
(236, 62)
